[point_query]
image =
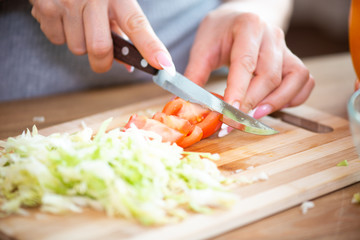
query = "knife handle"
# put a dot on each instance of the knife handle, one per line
(127, 53)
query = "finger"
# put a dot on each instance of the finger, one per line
(50, 19)
(116, 29)
(304, 93)
(243, 59)
(268, 72)
(35, 14)
(97, 35)
(135, 25)
(295, 78)
(199, 66)
(74, 28)
(205, 56)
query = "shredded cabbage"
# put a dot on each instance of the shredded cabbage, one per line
(130, 174)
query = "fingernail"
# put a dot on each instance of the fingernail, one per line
(262, 111)
(224, 130)
(129, 68)
(236, 104)
(166, 63)
(251, 112)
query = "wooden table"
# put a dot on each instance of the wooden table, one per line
(334, 217)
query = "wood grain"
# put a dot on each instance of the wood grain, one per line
(334, 217)
(301, 165)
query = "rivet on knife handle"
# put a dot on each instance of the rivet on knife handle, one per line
(127, 53)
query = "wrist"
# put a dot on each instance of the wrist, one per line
(274, 12)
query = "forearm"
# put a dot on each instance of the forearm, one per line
(277, 12)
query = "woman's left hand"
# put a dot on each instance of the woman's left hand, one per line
(263, 73)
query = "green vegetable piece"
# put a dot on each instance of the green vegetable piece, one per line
(343, 164)
(356, 198)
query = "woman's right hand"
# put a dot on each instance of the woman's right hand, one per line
(85, 26)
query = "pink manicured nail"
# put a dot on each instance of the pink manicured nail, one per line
(224, 130)
(251, 112)
(262, 111)
(166, 63)
(236, 104)
(129, 68)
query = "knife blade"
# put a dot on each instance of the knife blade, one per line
(188, 90)
(301, 122)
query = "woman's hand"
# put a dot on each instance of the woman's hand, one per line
(263, 73)
(85, 26)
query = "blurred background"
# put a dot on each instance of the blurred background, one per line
(319, 27)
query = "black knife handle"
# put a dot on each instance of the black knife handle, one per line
(127, 53)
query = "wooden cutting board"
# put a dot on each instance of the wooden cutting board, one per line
(300, 164)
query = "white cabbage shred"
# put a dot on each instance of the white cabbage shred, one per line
(130, 174)
(305, 206)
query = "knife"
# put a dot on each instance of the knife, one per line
(301, 122)
(188, 90)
